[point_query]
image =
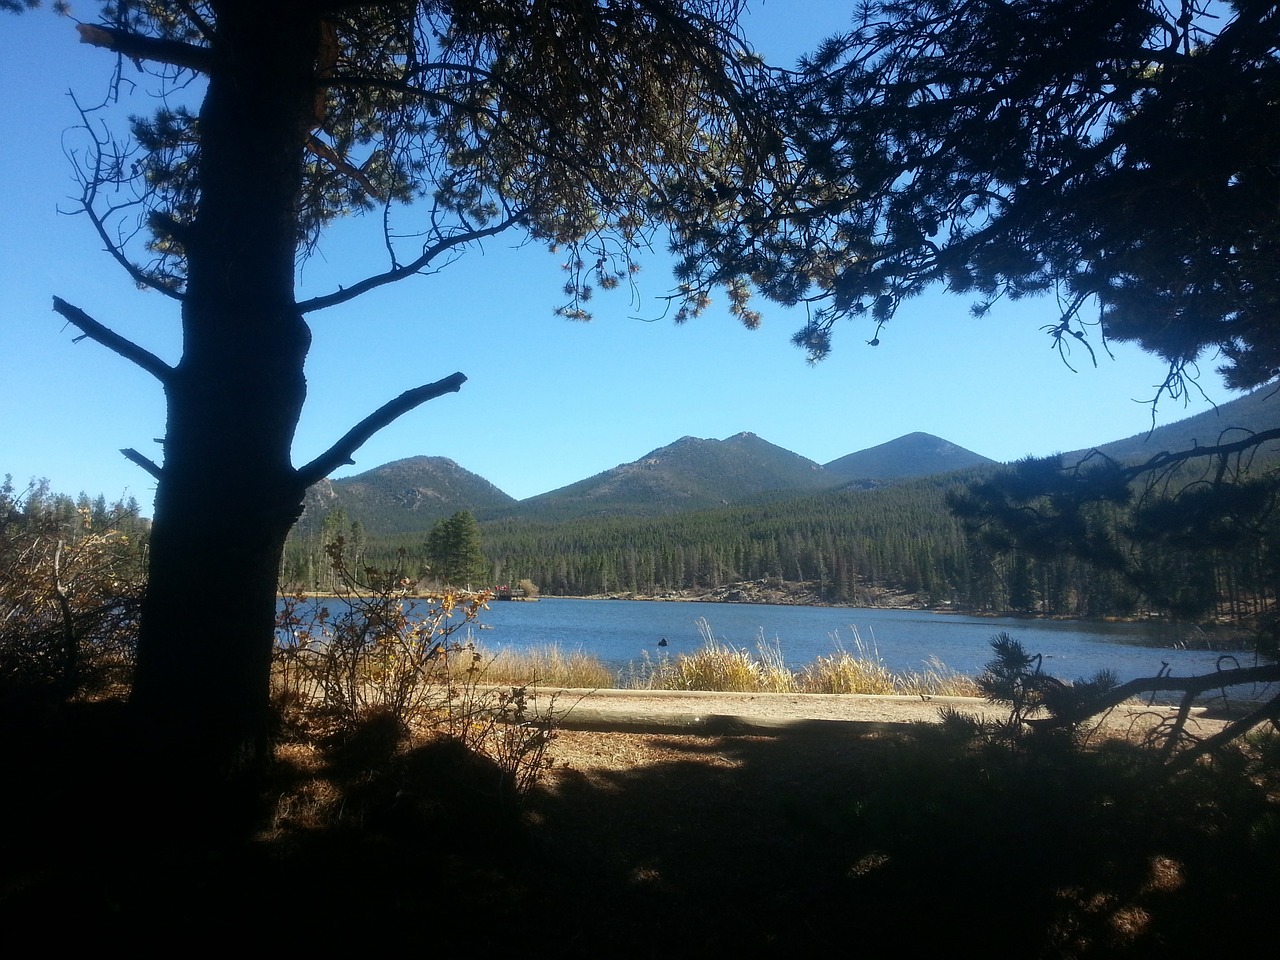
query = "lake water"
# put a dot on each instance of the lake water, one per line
(622, 631)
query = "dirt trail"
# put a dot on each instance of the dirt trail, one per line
(726, 713)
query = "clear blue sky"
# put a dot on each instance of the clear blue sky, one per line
(548, 401)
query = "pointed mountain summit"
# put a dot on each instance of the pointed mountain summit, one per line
(689, 474)
(404, 495)
(915, 455)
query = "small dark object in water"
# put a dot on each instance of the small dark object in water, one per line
(662, 642)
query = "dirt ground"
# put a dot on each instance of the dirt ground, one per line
(669, 825)
(678, 823)
(614, 729)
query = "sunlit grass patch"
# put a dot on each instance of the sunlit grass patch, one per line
(720, 666)
(862, 671)
(715, 666)
(548, 666)
(842, 672)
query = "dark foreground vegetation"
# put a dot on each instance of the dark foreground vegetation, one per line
(407, 805)
(940, 838)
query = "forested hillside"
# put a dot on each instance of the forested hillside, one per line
(756, 517)
(899, 543)
(845, 544)
(689, 474)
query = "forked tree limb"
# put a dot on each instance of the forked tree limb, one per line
(1168, 459)
(123, 346)
(1270, 710)
(341, 452)
(1189, 686)
(344, 294)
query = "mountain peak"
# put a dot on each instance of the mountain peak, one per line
(690, 473)
(408, 494)
(913, 455)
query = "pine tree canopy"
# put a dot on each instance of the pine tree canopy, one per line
(575, 123)
(453, 551)
(1121, 156)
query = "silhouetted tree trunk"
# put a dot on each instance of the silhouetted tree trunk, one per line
(493, 114)
(204, 653)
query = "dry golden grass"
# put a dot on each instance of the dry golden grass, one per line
(719, 666)
(843, 672)
(547, 666)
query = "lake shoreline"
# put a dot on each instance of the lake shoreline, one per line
(797, 595)
(628, 636)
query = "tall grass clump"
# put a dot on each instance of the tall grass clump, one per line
(863, 671)
(549, 666)
(939, 680)
(719, 666)
(845, 672)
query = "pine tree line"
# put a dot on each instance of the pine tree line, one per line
(851, 546)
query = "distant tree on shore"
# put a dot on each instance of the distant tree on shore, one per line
(454, 555)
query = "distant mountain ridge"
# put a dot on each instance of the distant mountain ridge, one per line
(689, 474)
(692, 473)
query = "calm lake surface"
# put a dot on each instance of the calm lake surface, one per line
(622, 631)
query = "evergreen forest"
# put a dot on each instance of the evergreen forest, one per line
(937, 541)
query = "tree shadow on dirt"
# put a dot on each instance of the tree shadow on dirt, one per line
(927, 839)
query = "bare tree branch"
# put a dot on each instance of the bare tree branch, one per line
(341, 452)
(106, 158)
(1190, 686)
(113, 341)
(137, 47)
(344, 294)
(1166, 459)
(1270, 710)
(146, 463)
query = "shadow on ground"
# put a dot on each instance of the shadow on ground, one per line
(923, 840)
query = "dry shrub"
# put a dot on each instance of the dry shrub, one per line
(70, 587)
(359, 672)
